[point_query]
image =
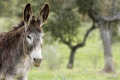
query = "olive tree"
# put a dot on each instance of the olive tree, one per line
(103, 13)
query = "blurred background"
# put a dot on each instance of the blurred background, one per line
(82, 38)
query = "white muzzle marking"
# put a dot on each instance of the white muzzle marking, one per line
(36, 54)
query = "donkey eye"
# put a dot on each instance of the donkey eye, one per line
(28, 37)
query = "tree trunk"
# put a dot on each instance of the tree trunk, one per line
(71, 58)
(74, 48)
(106, 39)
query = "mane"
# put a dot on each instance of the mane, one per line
(10, 37)
(19, 25)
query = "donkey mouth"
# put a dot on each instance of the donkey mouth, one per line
(36, 64)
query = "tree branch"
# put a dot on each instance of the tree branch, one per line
(84, 40)
(86, 36)
(67, 43)
(111, 18)
(93, 15)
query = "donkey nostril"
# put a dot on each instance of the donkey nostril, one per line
(34, 59)
(37, 60)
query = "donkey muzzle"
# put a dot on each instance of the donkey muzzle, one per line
(37, 61)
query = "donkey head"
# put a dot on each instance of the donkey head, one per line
(33, 33)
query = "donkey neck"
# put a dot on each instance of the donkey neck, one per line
(11, 47)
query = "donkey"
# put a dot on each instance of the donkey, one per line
(21, 46)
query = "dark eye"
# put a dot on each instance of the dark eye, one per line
(28, 37)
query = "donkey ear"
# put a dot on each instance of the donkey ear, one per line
(44, 13)
(27, 12)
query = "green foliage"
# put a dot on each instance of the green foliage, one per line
(85, 5)
(103, 8)
(63, 23)
(10, 8)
